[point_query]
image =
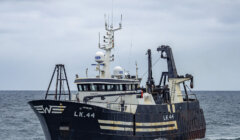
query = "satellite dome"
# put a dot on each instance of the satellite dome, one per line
(118, 71)
(99, 57)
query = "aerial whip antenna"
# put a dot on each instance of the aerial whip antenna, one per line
(112, 15)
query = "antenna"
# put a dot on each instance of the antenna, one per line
(108, 45)
(112, 15)
(108, 21)
(136, 70)
(99, 45)
(120, 24)
(86, 72)
(105, 18)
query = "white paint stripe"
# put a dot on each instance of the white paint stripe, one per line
(176, 125)
(169, 109)
(155, 129)
(115, 122)
(116, 128)
(173, 108)
(64, 128)
(58, 106)
(56, 112)
(58, 109)
(38, 106)
(156, 123)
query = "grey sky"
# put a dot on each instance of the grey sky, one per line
(37, 34)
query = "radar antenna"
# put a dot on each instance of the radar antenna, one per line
(108, 45)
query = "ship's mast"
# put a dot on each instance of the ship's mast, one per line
(108, 45)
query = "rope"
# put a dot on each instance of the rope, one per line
(189, 88)
(152, 66)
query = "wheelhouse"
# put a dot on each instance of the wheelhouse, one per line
(105, 85)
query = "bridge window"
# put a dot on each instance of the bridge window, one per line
(110, 88)
(134, 86)
(101, 87)
(85, 87)
(117, 87)
(128, 87)
(121, 87)
(107, 87)
(93, 87)
(79, 87)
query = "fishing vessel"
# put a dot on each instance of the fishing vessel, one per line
(115, 106)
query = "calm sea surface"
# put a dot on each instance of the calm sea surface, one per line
(18, 121)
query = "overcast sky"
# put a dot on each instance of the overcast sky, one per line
(37, 34)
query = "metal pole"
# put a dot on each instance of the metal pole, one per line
(185, 90)
(67, 83)
(60, 88)
(150, 81)
(57, 82)
(165, 77)
(50, 84)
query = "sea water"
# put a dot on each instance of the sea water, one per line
(18, 121)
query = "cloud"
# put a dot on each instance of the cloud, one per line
(35, 35)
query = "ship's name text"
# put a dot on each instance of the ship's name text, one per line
(84, 114)
(168, 117)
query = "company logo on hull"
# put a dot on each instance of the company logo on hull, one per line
(51, 109)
